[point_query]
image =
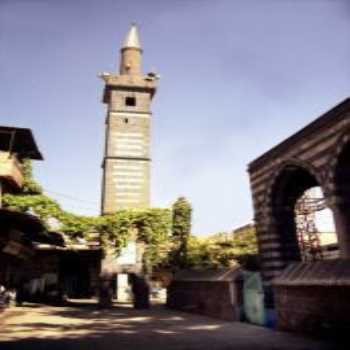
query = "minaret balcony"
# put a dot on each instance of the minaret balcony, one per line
(11, 169)
(131, 83)
(140, 81)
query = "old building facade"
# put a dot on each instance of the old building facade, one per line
(316, 156)
(16, 144)
(126, 164)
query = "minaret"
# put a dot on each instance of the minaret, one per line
(126, 164)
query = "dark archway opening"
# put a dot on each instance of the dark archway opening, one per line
(290, 185)
(301, 218)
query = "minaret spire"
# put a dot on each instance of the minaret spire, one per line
(132, 38)
(127, 158)
(131, 53)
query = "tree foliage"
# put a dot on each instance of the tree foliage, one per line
(224, 249)
(153, 226)
(181, 231)
(113, 231)
(182, 214)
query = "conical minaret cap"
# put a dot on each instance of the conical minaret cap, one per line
(132, 38)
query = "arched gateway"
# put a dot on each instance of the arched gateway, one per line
(317, 155)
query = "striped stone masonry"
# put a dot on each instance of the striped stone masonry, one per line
(307, 158)
(126, 164)
(127, 161)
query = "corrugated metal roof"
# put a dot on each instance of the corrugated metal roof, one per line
(209, 275)
(318, 273)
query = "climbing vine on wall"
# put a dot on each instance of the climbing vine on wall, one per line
(166, 234)
(153, 225)
(30, 186)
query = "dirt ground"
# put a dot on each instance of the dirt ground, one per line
(36, 327)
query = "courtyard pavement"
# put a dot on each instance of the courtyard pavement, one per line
(36, 327)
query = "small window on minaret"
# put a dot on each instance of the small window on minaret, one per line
(130, 101)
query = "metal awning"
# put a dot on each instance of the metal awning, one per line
(209, 275)
(20, 141)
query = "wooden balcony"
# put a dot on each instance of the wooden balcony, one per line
(10, 170)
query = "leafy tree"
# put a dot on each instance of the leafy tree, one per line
(153, 227)
(181, 230)
(224, 249)
(242, 240)
(113, 231)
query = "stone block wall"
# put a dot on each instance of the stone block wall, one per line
(218, 299)
(314, 297)
(313, 151)
(126, 180)
(313, 309)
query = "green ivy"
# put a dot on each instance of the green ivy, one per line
(30, 186)
(115, 230)
(176, 249)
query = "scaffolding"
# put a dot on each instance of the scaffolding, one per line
(307, 232)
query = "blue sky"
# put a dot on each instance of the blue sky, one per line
(237, 76)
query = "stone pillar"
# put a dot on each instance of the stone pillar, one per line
(141, 292)
(341, 215)
(106, 280)
(105, 292)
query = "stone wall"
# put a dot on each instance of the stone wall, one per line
(314, 297)
(127, 164)
(313, 309)
(306, 159)
(214, 298)
(308, 296)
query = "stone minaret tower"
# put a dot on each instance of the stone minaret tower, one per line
(126, 164)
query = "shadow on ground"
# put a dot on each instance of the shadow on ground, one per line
(86, 327)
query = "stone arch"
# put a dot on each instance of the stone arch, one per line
(293, 162)
(339, 182)
(292, 178)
